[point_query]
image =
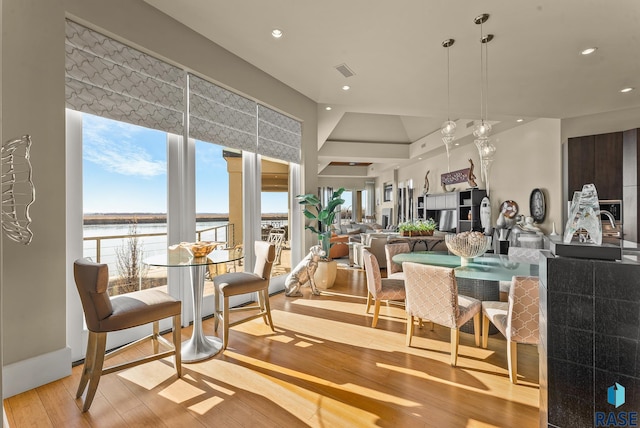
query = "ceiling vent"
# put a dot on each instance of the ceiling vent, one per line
(470, 124)
(345, 70)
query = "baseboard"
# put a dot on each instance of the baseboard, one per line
(33, 372)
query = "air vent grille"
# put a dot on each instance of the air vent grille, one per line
(345, 70)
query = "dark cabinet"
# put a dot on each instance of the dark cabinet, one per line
(596, 159)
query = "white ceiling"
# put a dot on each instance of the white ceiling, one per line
(398, 94)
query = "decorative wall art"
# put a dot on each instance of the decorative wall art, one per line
(459, 176)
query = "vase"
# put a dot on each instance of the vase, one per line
(325, 275)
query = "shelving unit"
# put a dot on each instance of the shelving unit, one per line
(464, 204)
(469, 209)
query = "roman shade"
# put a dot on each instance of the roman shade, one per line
(219, 116)
(279, 136)
(109, 79)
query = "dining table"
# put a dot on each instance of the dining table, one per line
(478, 277)
(198, 347)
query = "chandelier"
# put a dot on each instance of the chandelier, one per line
(448, 129)
(482, 130)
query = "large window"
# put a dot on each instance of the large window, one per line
(124, 198)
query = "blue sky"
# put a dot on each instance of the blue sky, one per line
(125, 170)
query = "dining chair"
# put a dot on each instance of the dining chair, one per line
(516, 319)
(394, 270)
(236, 283)
(518, 255)
(104, 314)
(379, 288)
(432, 293)
(276, 237)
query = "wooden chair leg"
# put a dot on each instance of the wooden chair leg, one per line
(485, 331)
(154, 337)
(177, 343)
(409, 329)
(512, 361)
(267, 308)
(376, 311)
(225, 323)
(420, 323)
(96, 371)
(263, 297)
(476, 328)
(216, 310)
(89, 362)
(369, 298)
(455, 337)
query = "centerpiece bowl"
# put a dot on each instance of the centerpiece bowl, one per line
(199, 248)
(468, 245)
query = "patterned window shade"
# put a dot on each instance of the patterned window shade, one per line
(220, 116)
(109, 79)
(279, 136)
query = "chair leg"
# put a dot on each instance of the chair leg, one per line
(409, 329)
(485, 331)
(177, 343)
(476, 328)
(89, 362)
(261, 304)
(154, 337)
(369, 298)
(267, 308)
(512, 361)
(376, 311)
(216, 309)
(455, 337)
(96, 371)
(225, 323)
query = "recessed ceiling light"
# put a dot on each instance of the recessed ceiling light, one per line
(519, 120)
(276, 33)
(419, 158)
(346, 87)
(456, 144)
(352, 163)
(327, 108)
(588, 51)
(625, 90)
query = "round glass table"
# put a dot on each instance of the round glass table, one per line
(199, 347)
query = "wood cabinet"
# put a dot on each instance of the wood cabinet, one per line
(596, 159)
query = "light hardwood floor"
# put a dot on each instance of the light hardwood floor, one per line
(324, 367)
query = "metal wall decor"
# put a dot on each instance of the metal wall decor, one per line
(18, 192)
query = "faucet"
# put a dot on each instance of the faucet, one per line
(610, 217)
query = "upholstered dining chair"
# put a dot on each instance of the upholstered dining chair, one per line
(432, 293)
(105, 314)
(516, 319)
(515, 255)
(379, 288)
(394, 270)
(236, 283)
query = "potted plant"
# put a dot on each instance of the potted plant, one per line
(426, 227)
(322, 220)
(407, 228)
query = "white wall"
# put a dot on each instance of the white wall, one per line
(527, 157)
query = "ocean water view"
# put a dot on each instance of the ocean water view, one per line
(111, 237)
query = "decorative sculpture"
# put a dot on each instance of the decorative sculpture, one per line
(18, 192)
(584, 213)
(303, 273)
(485, 215)
(426, 184)
(472, 178)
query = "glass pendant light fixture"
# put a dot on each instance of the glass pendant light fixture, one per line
(448, 129)
(482, 130)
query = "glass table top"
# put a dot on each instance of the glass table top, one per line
(488, 267)
(182, 257)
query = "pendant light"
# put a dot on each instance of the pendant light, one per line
(448, 129)
(482, 130)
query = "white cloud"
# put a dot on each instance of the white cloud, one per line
(112, 145)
